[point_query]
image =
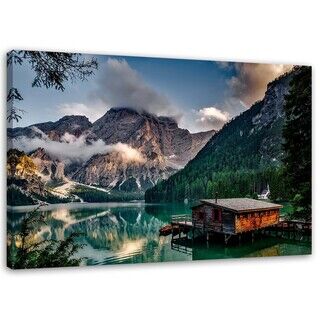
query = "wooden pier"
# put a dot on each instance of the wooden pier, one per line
(184, 224)
(234, 219)
(290, 229)
(293, 225)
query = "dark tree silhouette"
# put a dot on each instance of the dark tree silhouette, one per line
(52, 70)
(24, 251)
(297, 145)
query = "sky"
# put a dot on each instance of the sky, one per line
(200, 95)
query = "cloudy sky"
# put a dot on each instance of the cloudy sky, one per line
(200, 95)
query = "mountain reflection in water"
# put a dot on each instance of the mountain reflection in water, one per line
(129, 233)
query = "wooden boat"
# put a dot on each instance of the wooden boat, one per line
(166, 230)
(171, 229)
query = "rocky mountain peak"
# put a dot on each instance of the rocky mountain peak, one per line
(75, 121)
(271, 107)
(158, 140)
(251, 141)
(41, 154)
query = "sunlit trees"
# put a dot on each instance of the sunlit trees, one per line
(19, 164)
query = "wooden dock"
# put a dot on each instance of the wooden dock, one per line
(184, 224)
(179, 223)
(293, 225)
(290, 229)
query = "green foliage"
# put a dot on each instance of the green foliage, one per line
(50, 198)
(255, 196)
(233, 163)
(25, 251)
(94, 195)
(15, 197)
(297, 145)
(228, 184)
(243, 158)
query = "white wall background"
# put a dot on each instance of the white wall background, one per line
(263, 31)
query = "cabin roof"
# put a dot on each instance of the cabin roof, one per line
(241, 204)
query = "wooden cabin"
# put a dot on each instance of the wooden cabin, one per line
(234, 216)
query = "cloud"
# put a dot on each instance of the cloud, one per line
(119, 85)
(71, 148)
(234, 106)
(127, 153)
(224, 65)
(251, 79)
(93, 112)
(212, 118)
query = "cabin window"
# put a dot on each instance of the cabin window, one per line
(213, 214)
(200, 215)
(216, 215)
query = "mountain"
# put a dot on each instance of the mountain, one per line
(123, 151)
(75, 125)
(156, 137)
(25, 183)
(164, 146)
(48, 168)
(241, 159)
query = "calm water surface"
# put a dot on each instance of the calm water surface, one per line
(129, 233)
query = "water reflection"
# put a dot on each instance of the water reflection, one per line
(112, 234)
(265, 247)
(129, 233)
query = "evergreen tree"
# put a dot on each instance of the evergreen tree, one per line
(297, 145)
(25, 251)
(243, 158)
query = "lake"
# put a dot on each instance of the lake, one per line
(116, 233)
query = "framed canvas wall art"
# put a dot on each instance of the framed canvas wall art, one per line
(118, 159)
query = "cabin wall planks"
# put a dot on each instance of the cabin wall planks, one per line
(256, 220)
(233, 222)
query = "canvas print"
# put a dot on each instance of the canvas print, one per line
(122, 159)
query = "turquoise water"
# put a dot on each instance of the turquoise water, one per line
(129, 233)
